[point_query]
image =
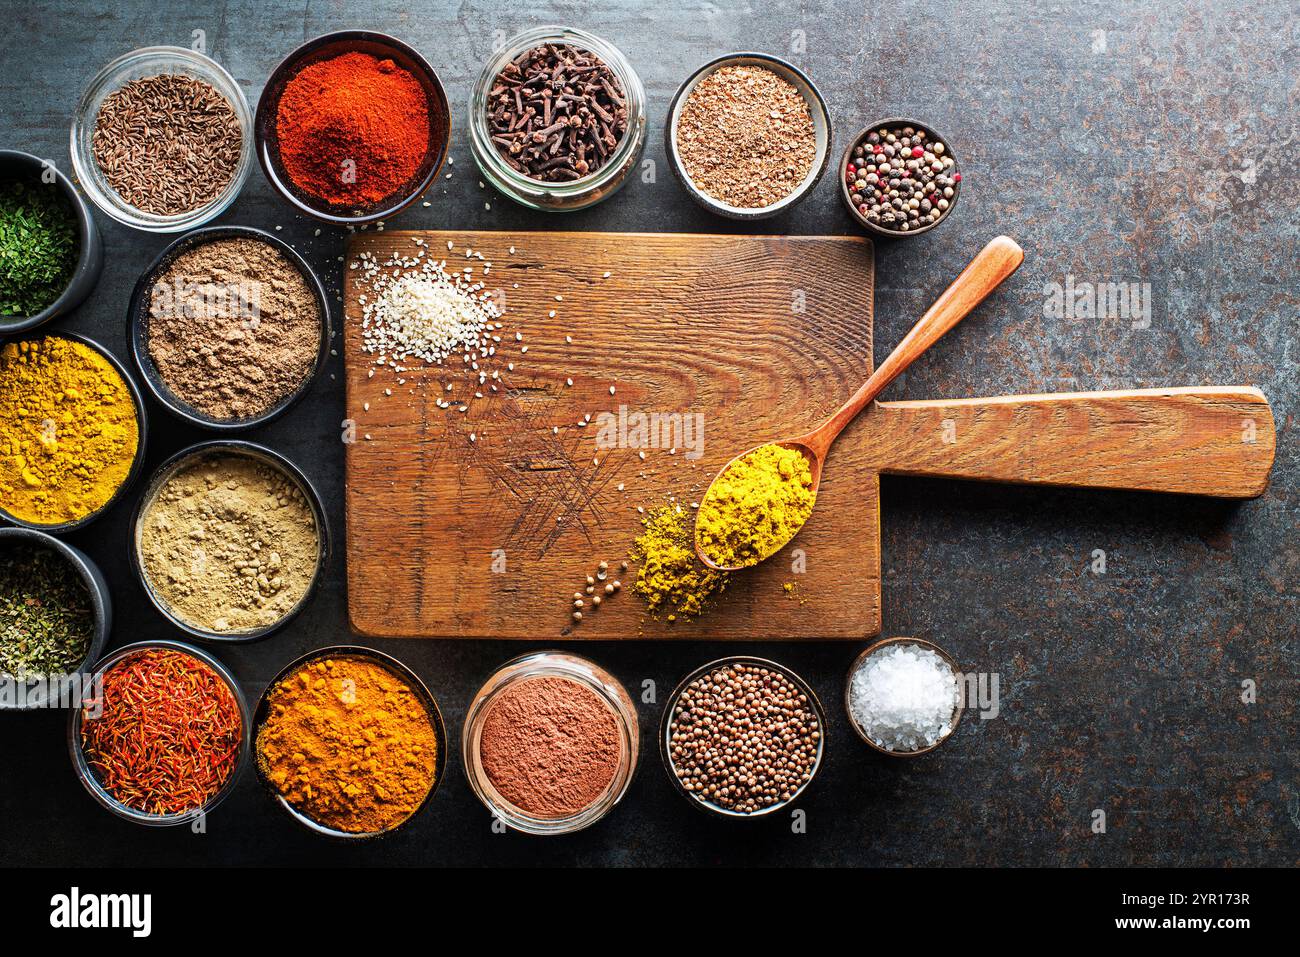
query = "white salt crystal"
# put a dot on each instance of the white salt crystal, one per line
(904, 697)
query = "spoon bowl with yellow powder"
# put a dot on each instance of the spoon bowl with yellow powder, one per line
(762, 498)
(72, 431)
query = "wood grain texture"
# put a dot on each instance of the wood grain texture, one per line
(1213, 440)
(762, 336)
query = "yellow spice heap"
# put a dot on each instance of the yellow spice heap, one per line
(755, 506)
(671, 578)
(68, 430)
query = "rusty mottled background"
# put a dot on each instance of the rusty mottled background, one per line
(1123, 141)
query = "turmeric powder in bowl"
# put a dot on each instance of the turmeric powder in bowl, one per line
(69, 430)
(349, 743)
(755, 506)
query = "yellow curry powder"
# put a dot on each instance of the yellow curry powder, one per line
(348, 743)
(68, 430)
(756, 506)
(672, 579)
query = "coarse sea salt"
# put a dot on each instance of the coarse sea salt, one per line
(904, 697)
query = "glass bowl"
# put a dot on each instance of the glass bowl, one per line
(389, 663)
(91, 781)
(589, 675)
(152, 61)
(884, 643)
(260, 453)
(141, 429)
(578, 193)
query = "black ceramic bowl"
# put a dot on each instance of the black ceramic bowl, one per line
(138, 328)
(90, 779)
(324, 48)
(90, 253)
(35, 694)
(142, 433)
(666, 727)
(845, 194)
(261, 453)
(391, 664)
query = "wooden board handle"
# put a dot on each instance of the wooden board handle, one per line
(1212, 440)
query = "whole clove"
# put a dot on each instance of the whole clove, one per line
(556, 113)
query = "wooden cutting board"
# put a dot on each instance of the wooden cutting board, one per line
(761, 336)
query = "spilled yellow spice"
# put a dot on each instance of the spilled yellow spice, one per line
(68, 430)
(672, 580)
(755, 506)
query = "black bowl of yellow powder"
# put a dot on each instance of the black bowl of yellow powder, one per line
(349, 742)
(72, 431)
(230, 540)
(51, 254)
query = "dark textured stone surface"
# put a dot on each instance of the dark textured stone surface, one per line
(1126, 141)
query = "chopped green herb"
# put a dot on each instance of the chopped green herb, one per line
(46, 620)
(38, 246)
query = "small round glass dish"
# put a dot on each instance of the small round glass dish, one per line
(817, 111)
(573, 194)
(389, 664)
(59, 691)
(327, 47)
(220, 448)
(588, 675)
(91, 780)
(138, 313)
(141, 431)
(668, 723)
(15, 164)
(155, 61)
(882, 645)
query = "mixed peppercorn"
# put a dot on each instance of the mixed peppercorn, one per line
(900, 178)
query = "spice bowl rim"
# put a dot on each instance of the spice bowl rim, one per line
(170, 467)
(112, 77)
(848, 693)
(552, 662)
(266, 141)
(666, 724)
(101, 603)
(137, 333)
(403, 671)
(588, 190)
(141, 429)
(90, 251)
(92, 784)
(817, 110)
(845, 196)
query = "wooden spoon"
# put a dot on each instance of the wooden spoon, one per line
(994, 263)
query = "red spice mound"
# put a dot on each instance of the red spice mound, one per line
(352, 129)
(550, 746)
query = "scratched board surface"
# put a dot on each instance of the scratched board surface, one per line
(485, 523)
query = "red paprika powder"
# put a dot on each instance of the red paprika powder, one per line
(353, 129)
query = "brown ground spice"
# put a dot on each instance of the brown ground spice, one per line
(745, 136)
(233, 327)
(550, 746)
(229, 544)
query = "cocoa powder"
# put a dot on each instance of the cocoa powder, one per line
(233, 328)
(550, 746)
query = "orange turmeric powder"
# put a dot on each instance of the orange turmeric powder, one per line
(350, 744)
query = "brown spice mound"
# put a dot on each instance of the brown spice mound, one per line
(233, 328)
(745, 137)
(229, 544)
(167, 144)
(550, 746)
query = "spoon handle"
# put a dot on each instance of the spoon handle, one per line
(994, 263)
